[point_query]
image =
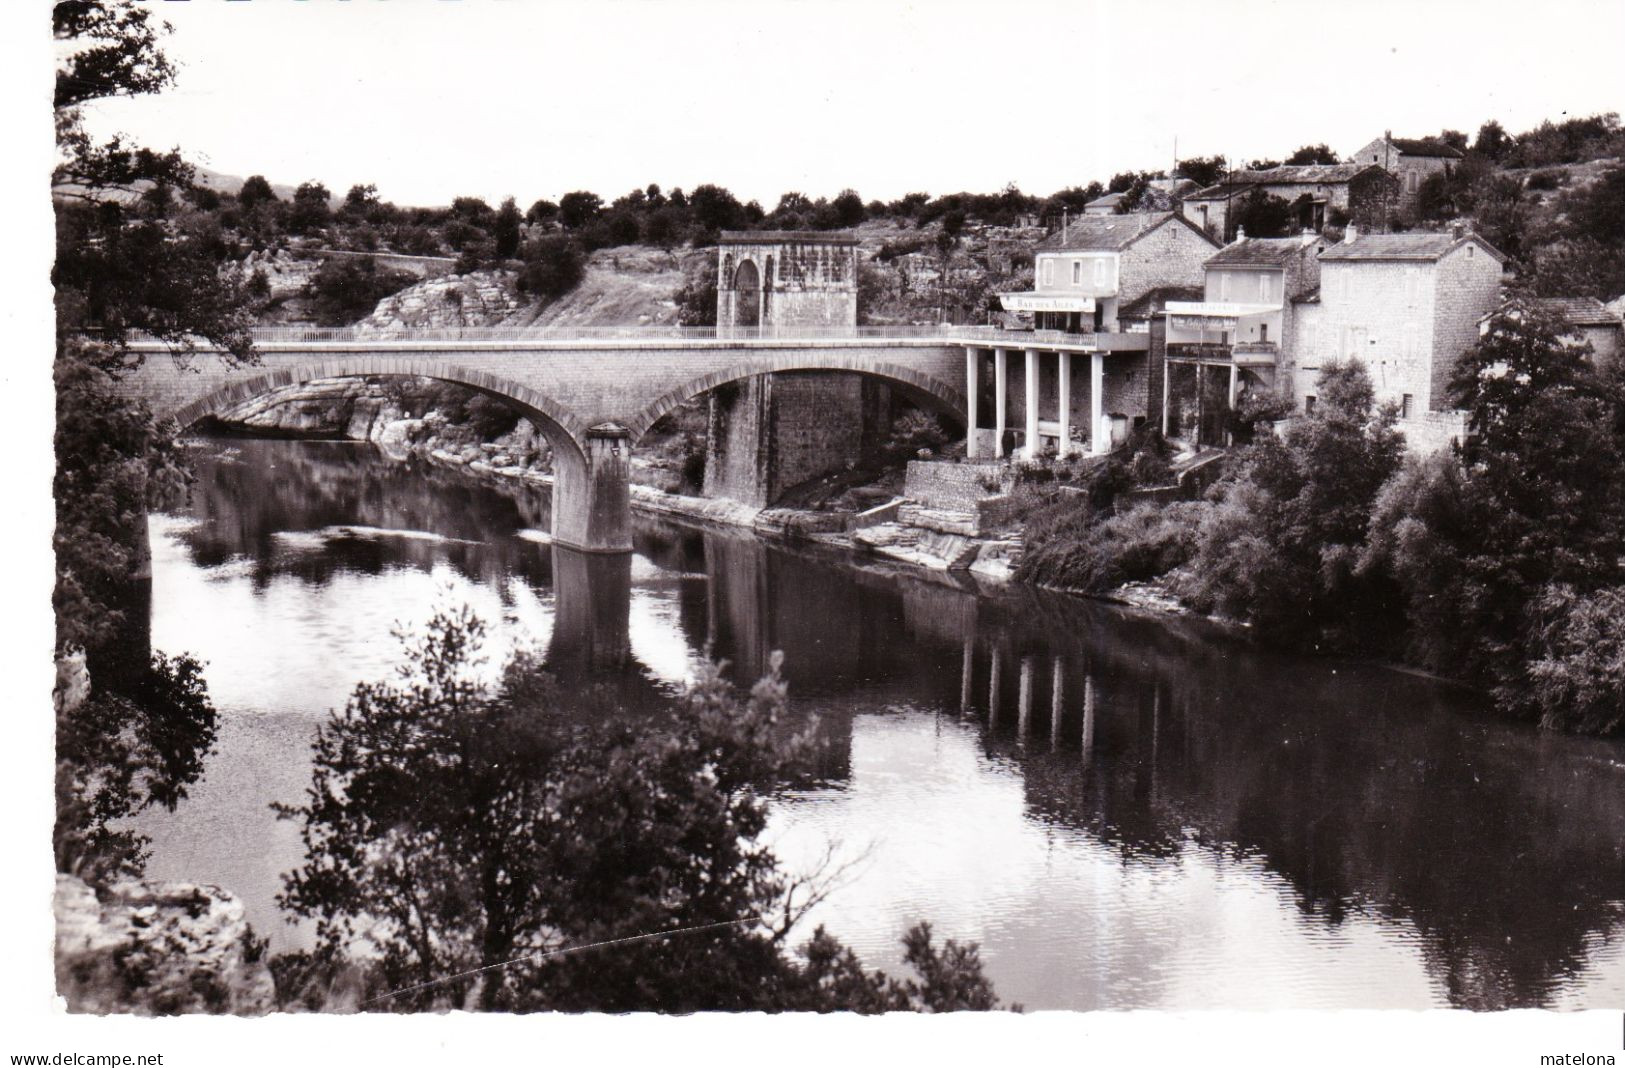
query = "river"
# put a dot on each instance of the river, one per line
(1125, 811)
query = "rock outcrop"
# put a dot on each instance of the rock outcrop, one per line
(158, 949)
(483, 298)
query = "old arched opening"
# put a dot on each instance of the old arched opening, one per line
(747, 294)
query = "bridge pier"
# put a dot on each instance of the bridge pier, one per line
(592, 498)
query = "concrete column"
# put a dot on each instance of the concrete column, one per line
(993, 691)
(1063, 390)
(966, 668)
(1100, 435)
(592, 504)
(973, 359)
(1232, 400)
(1024, 703)
(1032, 449)
(1000, 366)
(1167, 373)
(1056, 689)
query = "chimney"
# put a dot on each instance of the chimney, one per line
(1458, 230)
(1350, 234)
(1241, 233)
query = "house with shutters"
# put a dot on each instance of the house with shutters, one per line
(1229, 343)
(1080, 378)
(1406, 306)
(1410, 161)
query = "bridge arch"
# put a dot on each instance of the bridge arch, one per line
(590, 505)
(924, 389)
(549, 416)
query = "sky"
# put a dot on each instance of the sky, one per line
(431, 99)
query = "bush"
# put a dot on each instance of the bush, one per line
(1576, 673)
(346, 290)
(912, 431)
(554, 265)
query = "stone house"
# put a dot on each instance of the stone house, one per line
(1081, 380)
(1412, 162)
(1106, 205)
(1406, 306)
(1083, 273)
(1586, 319)
(1322, 195)
(1228, 343)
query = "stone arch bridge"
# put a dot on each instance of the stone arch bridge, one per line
(593, 397)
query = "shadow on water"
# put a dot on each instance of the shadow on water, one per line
(1500, 850)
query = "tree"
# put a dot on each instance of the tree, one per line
(697, 297)
(255, 191)
(542, 211)
(1263, 214)
(1492, 142)
(1280, 544)
(346, 289)
(505, 230)
(1308, 154)
(1508, 553)
(474, 211)
(578, 208)
(1203, 170)
(120, 270)
(714, 208)
(310, 208)
(554, 265)
(848, 207)
(454, 825)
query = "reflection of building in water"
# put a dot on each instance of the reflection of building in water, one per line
(1157, 742)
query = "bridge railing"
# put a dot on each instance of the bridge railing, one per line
(949, 333)
(589, 333)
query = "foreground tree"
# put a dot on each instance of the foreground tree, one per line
(123, 264)
(462, 828)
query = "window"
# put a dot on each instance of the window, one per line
(1308, 405)
(1264, 286)
(1411, 180)
(1224, 285)
(1100, 272)
(1405, 404)
(1049, 271)
(1077, 272)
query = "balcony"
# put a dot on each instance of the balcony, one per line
(1255, 353)
(1242, 353)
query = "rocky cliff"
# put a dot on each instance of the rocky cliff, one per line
(482, 298)
(158, 949)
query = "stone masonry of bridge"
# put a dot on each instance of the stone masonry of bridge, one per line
(593, 399)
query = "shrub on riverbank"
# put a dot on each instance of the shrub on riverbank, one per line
(1501, 564)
